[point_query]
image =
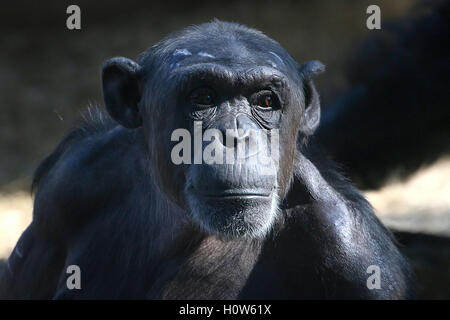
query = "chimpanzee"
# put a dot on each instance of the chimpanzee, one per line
(112, 201)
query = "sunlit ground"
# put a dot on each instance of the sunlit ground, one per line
(15, 215)
(421, 203)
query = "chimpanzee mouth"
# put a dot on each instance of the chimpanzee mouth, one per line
(234, 194)
(235, 213)
(231, 205)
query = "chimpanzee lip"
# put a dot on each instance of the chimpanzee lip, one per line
(235, 193)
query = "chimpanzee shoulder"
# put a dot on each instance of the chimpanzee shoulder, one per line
(87, 170)
(93, 121)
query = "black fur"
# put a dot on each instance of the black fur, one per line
(108, 201)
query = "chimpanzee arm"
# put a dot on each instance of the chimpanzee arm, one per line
(337, 231)
(33, 268)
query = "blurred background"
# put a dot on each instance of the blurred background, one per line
(386, 110)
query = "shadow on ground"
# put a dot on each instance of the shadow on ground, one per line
(2, 266)
(429, 255)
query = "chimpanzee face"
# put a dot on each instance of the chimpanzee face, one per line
(221, 112)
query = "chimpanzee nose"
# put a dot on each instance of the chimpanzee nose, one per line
(237, 129)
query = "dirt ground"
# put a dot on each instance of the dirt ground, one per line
(419, 204)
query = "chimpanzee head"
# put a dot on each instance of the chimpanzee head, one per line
(221, 107)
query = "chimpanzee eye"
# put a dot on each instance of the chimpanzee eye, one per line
(203, 97)
(266, 100)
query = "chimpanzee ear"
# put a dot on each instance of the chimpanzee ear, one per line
(121, 91)
(311, 117)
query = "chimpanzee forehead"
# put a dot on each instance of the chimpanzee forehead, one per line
(226, 53)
